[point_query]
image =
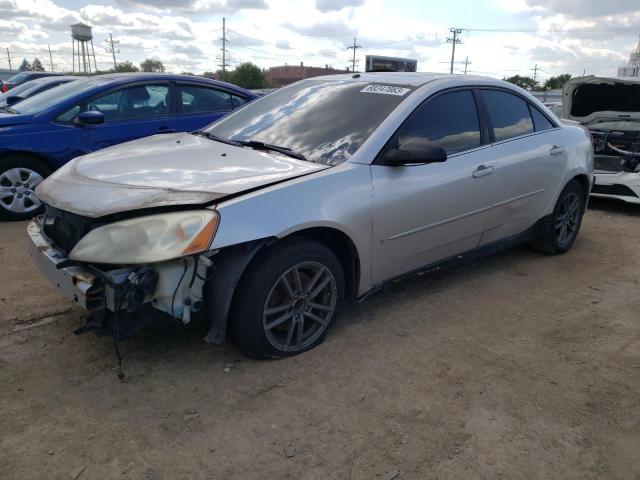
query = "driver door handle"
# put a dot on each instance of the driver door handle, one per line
(483, 171)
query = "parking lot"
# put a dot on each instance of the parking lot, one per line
(519, 366)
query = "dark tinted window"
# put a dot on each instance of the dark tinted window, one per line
(509, 114)
(204, 99)
(325, 120)
(539, 120)
(238, 101)
(449, 120)
(142, 101)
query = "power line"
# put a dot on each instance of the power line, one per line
(224, 63)
(9, 58)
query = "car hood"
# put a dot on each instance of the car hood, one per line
(164, 170)
(591, 100)
(8, 119)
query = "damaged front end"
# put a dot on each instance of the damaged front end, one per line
(616, 150)
(127, 274)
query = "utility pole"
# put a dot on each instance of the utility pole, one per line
(224, 63)
(112, 50)
(9, 59)
(50, 57)
(354, 47)
(466, 64)
(535, 72)
(454, 40)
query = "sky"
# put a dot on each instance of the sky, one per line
(499, 37)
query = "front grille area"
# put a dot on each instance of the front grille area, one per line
(616, 189)
(65, 229)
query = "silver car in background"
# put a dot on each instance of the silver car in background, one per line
(329, 188)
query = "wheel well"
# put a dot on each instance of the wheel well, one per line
(583, 180)
(342, 246)
(31, 155)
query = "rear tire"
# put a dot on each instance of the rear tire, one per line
(556, 233)
(277, 312)
(19, 176)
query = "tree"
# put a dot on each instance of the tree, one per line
(557, 82)
(247, 75)
(124, 67)
(36, 66)
(527, 83)
(25, 66)
(152, 65)
(188, 73)
(208, 74)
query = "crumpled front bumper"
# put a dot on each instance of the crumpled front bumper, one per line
(81, 286)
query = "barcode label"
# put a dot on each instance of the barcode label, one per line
(385, 90)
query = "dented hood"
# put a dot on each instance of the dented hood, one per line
(164, 170)
(591, 100)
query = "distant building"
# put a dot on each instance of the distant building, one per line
(378, 63)
(631, 69)
(287, 74)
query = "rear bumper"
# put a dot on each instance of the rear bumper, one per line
(84, 288)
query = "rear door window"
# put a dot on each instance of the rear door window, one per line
(449, 120)
(509, 114)
(540, 121)
(197, 99)
(140, 101)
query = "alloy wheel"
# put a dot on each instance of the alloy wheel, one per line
(300, 306)
(568, 217)
(17, 190)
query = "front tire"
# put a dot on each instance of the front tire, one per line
(556, 233)
(19, 176)
(287, 299)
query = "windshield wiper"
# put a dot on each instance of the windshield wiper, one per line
(216, 139)
(275, 148)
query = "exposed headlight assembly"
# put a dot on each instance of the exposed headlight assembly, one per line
(149, 239)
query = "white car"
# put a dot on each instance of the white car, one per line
(325, 189)
(610, 109)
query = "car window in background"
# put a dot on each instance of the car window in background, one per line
(449, 120)
(57, 95)
(203, 99)
(324, 120)
(17, 78)
(509, 114)
(133, 102)
(237, 101)
(14, 92)
(540, 122)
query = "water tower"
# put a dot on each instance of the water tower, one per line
(81, 40)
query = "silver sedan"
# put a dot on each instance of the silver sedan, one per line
(264, 222)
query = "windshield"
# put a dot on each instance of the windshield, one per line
(17, 78)
(56, 95)
(324, 120)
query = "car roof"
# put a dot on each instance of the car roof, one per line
(416, 79)
(52, 78)
(129, 76)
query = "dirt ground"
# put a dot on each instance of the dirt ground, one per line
(520, 366)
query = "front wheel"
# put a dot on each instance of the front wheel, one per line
(19, 176)
(287, 299)
(557, 232)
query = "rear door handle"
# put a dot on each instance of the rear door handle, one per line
(483, 171)
(556, 150)
(166, 130)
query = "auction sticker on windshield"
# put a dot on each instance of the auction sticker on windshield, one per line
(385, 89)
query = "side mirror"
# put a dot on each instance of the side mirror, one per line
(90, 117)
(13, 100)
(415, 151)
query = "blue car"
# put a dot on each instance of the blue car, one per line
(42, 133)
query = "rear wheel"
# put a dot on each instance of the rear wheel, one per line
(287, 300)
(557, 233)
(19, 176)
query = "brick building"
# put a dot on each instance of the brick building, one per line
(287, 74)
